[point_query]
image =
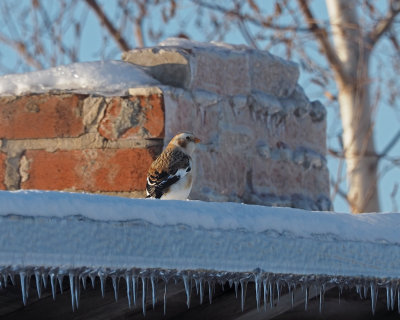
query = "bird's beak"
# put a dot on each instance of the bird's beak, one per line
(196, 140)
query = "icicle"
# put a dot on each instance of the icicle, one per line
(213, 287)
(392, 298)
(358, 290)
(5, 279)
(365, 291)
(202, 111)
(292, 296)
(306, 300)
(77, 285)
(210, 291)
(278, 289)
(243, 286)
(128, 289)
(144, 285)
(236, 288)
(53, 285)
(92, 279)
(72, 289)
(321, 297)
(60, 278)
(28, 281)
(387, 298)
(84, 280)
(258, 291)
(24, 289)
(12, 278)
(44, 279)
(134, 285)
(398, 300)
(165, 297)
(230, 281)
(188, 289)
(374, 297)
(265, 295)
(201, 290)
(38, 283)
(196, 282)
(190, 286)
(114, 283)
(101, 276)
(154, 281)
(271, 294)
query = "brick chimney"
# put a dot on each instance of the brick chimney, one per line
(263, 141)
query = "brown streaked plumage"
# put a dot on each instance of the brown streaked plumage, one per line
(170, 175)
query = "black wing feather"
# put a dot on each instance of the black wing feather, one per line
(156, 190)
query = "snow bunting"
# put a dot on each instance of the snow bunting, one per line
(171, 175)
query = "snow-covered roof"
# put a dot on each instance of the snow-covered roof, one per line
(84, 235)
(98, 77)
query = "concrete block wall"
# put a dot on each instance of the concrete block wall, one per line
(263, 141)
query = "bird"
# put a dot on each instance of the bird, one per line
(170, 176)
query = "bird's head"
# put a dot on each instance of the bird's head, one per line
(185, 140)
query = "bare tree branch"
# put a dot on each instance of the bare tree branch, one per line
(20, 47)
(246, 34)
(394, 41)
(108, 25)
(139, 24)
(340, 192)
(260, 23)
(341, 154)
(384, 24)
(336, 186)
(323, 39)
(139, 33)
(390, 145)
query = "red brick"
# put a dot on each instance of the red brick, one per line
(92, 170)
(136, 117)
(41, 116)
(155, 116)
(3, 158)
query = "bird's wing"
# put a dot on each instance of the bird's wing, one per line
(166, 170)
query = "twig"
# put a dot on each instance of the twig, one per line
(390, 145)
(384, 24)
(340, 192)
(338, 179)
(259, 23)
(139, 24)
(108, 25)
(393, 39)
(20, 47)
(246, 34)
(323, 39)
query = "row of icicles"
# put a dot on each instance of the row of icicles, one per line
(268, 286)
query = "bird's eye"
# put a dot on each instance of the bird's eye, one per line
(187, 138)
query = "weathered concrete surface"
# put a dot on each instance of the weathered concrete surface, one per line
(169, 66)
(218, 68)
(255, 148)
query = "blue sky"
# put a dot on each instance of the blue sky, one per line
(387, 117)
